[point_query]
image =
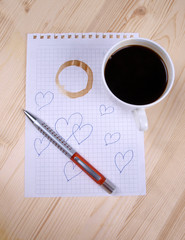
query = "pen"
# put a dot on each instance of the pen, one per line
(64, 147)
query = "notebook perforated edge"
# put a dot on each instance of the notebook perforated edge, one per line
(93, 35)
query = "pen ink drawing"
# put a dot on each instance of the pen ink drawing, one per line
(73, 127)
(81, 133)
(43, 99)
(122, 160)
(41, 144)
(104, 110)
(64, 127)
(71, 170)
(112, 138)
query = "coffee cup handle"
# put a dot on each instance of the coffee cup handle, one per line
(141, 119)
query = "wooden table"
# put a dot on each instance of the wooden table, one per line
(158, 215)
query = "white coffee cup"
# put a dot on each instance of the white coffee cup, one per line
(139, 110)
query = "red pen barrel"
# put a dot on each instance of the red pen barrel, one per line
(98, 178)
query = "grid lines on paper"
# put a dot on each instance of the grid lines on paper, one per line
(51, 178)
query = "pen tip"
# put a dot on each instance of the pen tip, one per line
(31, 117)
(25, 112)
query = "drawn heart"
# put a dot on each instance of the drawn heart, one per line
(65, 127)
(112, 138)
(81, 133)
(71, 170)
(105, 110)
(43, 99)
(41, 144)
(122, 160)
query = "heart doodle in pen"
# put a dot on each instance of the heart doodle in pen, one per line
(64, 127)
(41, 144)
(106, 110)
(122, 160)
(71, 170)
(43, 99)
(81, 133)
(112, 138)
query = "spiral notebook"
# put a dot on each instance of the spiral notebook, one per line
(64, 88)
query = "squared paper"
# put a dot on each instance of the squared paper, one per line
(97, 127)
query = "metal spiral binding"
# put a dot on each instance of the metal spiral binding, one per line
(93, 35)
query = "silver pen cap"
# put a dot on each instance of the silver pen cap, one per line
(108, 186)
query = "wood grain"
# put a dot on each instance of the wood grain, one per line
(158, 215)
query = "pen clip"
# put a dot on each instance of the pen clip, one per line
(88, 168)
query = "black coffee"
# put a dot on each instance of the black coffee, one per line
(136, 75)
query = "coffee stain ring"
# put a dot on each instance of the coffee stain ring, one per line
(86, 68)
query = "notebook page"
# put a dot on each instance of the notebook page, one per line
(64, 88)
